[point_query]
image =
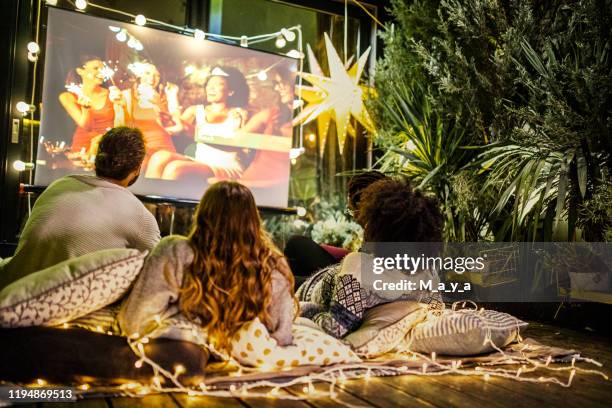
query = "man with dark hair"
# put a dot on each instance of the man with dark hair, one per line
(79, 214)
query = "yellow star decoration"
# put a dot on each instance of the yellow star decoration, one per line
(338, 96)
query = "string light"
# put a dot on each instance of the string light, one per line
(295, 54)
(300, 211)
(51, 2)
(24, 107)
(199, 35)
(33, 47)
(140, 20)
(288, 34)
(22, 166)
(280, 42)
(81, 4)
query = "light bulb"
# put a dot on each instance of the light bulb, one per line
(244, 41)
(140, 20)
(51, 2)
(33, 47)
(138, 46)
(199, 35)
(114, 29)
(280, 41)
(23, 107)
(288, 34)
(81, 4)
(311, 137)
(295, 54)
(121, 36)
(262, 76)
(301, 211)
(20, 165)
(32, 57)
(131, 42)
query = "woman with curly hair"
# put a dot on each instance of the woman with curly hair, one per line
(389, 211)
(224, 274)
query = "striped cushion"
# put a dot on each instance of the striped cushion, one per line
(465, 332)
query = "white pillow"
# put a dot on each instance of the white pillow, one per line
(70, 289)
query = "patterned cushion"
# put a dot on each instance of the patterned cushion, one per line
(253, 346)
(465, 332)
(385, 326)
(70, 289)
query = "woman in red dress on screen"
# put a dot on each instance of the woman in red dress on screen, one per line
(92, 107)
(149, 106)
(224, 113)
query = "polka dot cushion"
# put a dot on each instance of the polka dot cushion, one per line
(253, 346)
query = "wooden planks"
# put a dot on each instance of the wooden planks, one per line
(430, 392)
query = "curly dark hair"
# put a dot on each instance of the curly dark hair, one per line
(120, 152)
(391, 211)
(358, 183)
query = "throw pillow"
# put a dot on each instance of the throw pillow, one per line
(385, 326)
(70, 289)
(465, 332)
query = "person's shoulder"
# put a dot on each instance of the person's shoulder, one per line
(177, 244)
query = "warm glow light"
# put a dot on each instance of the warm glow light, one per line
(280, 42)
(33, 47)
(40, 381)
(289, 35)
(140, 20)
(199, 35)
(51, 2)
(23, 107)
(311, 137)
(81, 4)
(84, 387)
(179, 369)
(262, 76)
(301, 211)
(295, 54)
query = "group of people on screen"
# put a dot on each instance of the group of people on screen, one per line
(222, 110)
(227, 271)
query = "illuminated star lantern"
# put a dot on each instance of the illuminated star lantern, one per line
(338, 96)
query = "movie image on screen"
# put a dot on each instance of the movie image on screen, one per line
(208, 111)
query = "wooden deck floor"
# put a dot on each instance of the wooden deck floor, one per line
(414, 391)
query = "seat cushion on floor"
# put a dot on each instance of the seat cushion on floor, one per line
(70, 289)
(465, 332)
(73, 355)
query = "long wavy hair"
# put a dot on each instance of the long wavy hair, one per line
(230, 280)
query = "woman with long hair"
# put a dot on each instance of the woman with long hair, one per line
(222, 115)
(91, 106)
(224, 274)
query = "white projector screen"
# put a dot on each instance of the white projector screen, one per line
(208, 111)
